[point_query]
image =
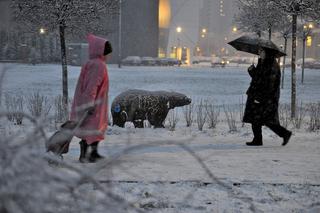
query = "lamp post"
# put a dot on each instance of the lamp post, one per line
(306, 32)
(42, 32)
(205, 42)
(120, 29)
(178, 54)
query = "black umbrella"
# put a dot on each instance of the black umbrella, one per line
(252, 44)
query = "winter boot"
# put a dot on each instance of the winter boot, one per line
(83, 151)
(255, 142)
(94, 155)
(286, 138)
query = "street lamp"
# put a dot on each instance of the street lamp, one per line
(178, 49)
(305, 34)
(120, 29)
(234, 29)
(42, 32)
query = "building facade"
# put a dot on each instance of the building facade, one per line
(215, 26)
(139, 30)
(139, 34)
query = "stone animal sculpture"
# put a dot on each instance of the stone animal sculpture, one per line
(139, 105)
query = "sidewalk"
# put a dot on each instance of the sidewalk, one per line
(226, 156)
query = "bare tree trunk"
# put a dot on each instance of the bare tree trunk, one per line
(284, 62)
(51, 48)
(293, 66)
(64, 66)
(303, 56)
(270, 33)
(42, 47)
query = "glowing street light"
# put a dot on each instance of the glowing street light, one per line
(42, 31)
(203, 35)
(234, 29)
(179, 29)
(306, 39)
(204, 30)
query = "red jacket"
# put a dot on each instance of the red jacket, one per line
(92, 90)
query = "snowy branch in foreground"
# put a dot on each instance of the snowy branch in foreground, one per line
(29, 184)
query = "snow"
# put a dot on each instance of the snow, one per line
(223, 85)
(161, 176)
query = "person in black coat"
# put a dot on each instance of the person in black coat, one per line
(263, 98)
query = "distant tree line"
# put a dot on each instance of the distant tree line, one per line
(25, 47)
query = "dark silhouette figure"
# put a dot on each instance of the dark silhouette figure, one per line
(263, 98)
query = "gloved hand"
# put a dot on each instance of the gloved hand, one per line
(252, 67)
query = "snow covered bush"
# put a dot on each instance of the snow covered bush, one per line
(314, 113)
(188, 112)
(241, 109)
(8, 102)
(213, 113)
(60, 113)
(201, 114)
(173, 119)
(38, 105)
(14, 105)
(300, 115)
(28, 183)
(231, 115)
(284, 114)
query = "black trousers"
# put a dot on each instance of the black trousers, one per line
(276, 128)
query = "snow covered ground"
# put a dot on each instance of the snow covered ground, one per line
(224, 85)
(166, 171)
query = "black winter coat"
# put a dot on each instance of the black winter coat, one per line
(263, 93)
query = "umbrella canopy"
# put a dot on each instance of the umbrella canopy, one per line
(252, 44)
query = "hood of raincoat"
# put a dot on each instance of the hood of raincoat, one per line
(96, 46)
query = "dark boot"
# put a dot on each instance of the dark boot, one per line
(83, 151)
(94, 155)
(286, 138)
(255, 142)
(257, 135)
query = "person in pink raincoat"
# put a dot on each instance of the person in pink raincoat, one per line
(91, 95)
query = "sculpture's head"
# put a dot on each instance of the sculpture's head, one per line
(178, 99)
(119, 116)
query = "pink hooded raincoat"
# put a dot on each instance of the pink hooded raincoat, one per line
(92, 90)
